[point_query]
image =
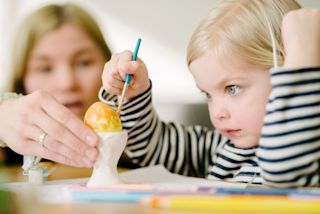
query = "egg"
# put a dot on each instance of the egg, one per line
(100, 117)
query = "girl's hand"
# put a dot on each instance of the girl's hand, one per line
(114, 73)
(68, 140)
(301, 38)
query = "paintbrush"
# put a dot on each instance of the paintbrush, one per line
(128, 77)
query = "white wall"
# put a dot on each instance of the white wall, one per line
(165, 27)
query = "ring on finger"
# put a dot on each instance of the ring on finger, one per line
(42, 138)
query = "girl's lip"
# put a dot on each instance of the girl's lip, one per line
(231, 132)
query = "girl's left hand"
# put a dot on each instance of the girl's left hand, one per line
(301, 38)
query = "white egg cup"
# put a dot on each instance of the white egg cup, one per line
(110, 148)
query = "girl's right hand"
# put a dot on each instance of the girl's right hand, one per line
(115, 70)
(68, 140)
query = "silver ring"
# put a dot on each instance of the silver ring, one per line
(41, 138)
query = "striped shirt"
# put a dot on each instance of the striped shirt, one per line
(288, 154)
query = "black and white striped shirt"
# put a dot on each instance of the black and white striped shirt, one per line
(288, 154)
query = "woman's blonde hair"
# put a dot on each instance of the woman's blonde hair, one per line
(42, 21)
(244, 28)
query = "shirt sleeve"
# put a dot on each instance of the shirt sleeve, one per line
(289, 150)
(187, 150)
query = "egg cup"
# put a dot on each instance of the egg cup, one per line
(110, 148)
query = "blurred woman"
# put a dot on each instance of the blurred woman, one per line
(57, 62)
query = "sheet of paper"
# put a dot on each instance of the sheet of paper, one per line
(158, 176)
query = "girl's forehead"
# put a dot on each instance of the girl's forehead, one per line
(227, 63)
(209, 70)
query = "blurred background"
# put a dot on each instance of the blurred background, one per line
(165, 28)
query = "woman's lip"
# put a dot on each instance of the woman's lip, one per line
(75, 106)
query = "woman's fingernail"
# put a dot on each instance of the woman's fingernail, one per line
(91, 140)
(91, 154)
(87, 162)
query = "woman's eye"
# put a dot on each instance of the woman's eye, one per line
(83, 63)
(233, 89)
(44, 69)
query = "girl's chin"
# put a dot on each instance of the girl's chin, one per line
(244, 144)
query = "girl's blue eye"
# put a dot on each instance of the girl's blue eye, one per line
(233, 89)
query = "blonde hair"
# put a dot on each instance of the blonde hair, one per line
(43, 20)
(244, 28)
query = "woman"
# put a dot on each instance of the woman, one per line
(58, 58)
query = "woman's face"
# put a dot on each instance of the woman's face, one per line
(68, 64)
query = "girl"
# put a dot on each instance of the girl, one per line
(266, 119)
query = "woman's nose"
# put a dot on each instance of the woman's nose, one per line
(66, 78)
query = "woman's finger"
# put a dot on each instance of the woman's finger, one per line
(59, 131)
(33, 148)
(63, 115)
(57, 147)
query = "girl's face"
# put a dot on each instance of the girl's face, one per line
(68, 64)
(237, 94)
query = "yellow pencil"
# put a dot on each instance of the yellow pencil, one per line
(236, 204)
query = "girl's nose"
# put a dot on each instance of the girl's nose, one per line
(220, 112)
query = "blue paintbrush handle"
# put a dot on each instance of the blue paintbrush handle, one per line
(134, 58)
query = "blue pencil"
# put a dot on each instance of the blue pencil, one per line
(109, 197)
(275, 192)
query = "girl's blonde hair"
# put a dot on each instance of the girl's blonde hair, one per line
(42, 21)
(244, 28)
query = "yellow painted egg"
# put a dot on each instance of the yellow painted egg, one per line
(100, 117)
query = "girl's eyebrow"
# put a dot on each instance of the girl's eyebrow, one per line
(226, 80)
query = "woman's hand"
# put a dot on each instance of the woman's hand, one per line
(115, 71)
(67, 140)
(301, 38)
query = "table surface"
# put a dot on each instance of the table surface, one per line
(14, 174)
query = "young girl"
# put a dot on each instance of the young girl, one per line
(267, 121)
